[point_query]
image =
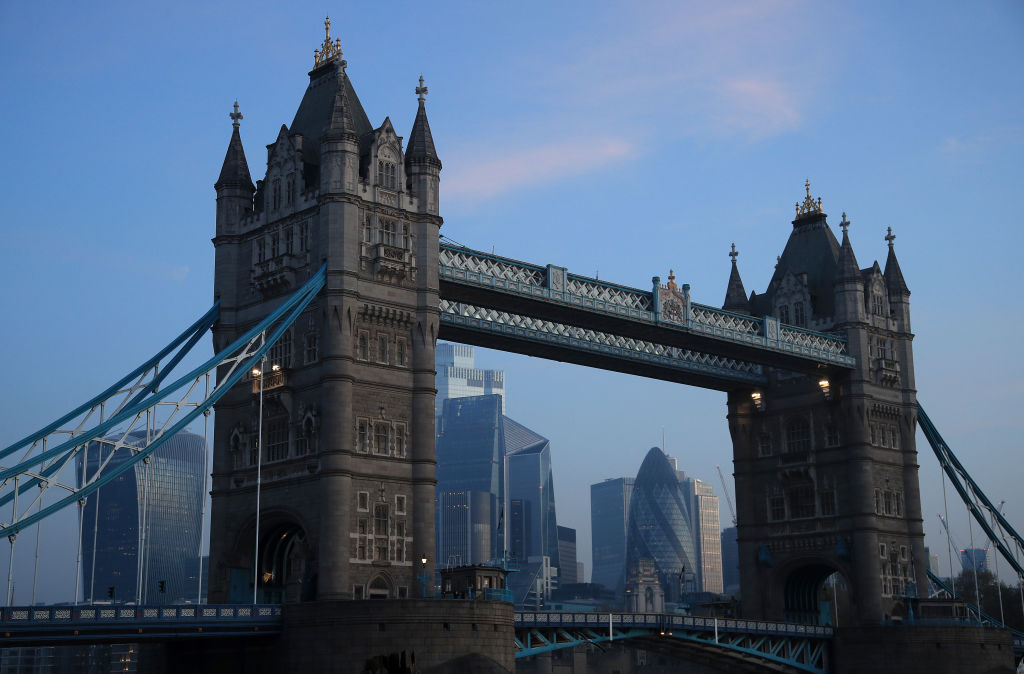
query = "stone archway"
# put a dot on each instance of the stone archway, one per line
(283, 562)
(379, 588)
(817, 594)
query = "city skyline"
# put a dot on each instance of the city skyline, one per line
(638, 142)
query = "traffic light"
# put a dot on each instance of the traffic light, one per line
(163, 587)
(110, 591)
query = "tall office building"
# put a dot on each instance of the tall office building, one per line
(702, 505)
(659, 526)
(155, 506)
(567, 557)
(730, 561)
(473, 445)
(609, 517)
(458, 376)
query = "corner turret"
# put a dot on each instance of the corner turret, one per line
(422, 166)
(735, 296)
(234, 185)
(849, 285)
(899, 294)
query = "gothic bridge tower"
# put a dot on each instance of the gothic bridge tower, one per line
(826, 469)
(347, 402)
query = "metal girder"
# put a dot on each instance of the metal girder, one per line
(787, 645)
(493, 328)
(551, 293)
(1005, 538)
(47, 460)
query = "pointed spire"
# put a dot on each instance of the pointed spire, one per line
(893, 275)
(341, 124)
(848, 267)
(735, 295)
(235, 170)
(421, 142)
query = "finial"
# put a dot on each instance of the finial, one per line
(809, 205)
(733, 253)
(845, 223)
(421, 91)
(671, 280)
(890, 237)
(328, 50)
(235, 116)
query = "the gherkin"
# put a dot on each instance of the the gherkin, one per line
(659, 524)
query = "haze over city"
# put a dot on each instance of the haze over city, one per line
(615, 140)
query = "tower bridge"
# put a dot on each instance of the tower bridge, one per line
(332, 288)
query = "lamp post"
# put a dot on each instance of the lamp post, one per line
(423, 578)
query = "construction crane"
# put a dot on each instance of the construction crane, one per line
(728, 499)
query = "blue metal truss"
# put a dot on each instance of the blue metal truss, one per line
(490, 282)
(1007, 541)
(800, 647)
(46, 460)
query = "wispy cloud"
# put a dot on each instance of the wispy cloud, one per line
(533, 165)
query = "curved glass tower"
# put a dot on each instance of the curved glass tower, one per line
(659, 524)
(157, 505)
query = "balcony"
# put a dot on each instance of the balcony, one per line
(888, 371)
(271, 380)
(276, 274)
(390, 262)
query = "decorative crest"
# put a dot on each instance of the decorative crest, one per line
(845, 223)
(890, 237)
(328, 50)
(671, 280)
(809, 206)
(422, 91)
(733, 254)
(235, 116)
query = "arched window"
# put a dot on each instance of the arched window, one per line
(799, 318)
(798, 435)
(387, 175)
(378, 588)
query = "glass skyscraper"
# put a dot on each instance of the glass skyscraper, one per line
(609, 519)
(458, 376)
(474, 440)
(155, 506)
(659, 525)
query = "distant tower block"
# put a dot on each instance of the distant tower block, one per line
(347, 496)
(826, 470)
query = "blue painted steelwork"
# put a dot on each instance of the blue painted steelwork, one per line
(139, 400)
(977, 503)
(559, 335)
(802, 647)
(483, 279)
(55, 625)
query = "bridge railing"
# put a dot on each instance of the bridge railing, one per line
(476, 268)
(53, 615)
(627, 620)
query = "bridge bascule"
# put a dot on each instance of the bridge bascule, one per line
(332, 289)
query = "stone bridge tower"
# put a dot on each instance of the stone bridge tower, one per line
(347, 403)
(826, 467)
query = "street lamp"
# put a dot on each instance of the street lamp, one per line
(423, 578)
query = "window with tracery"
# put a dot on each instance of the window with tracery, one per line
(387, 174)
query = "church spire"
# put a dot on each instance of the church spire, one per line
(735, 296)
(848, 267)
(421, 142)
(235, 170)
(893, 275)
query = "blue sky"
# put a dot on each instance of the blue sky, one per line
(610, 138)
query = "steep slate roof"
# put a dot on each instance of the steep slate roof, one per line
(421, 142)
(893, 274)
(812, 249)
(235, 170)
(315, 111)
(735, 295)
